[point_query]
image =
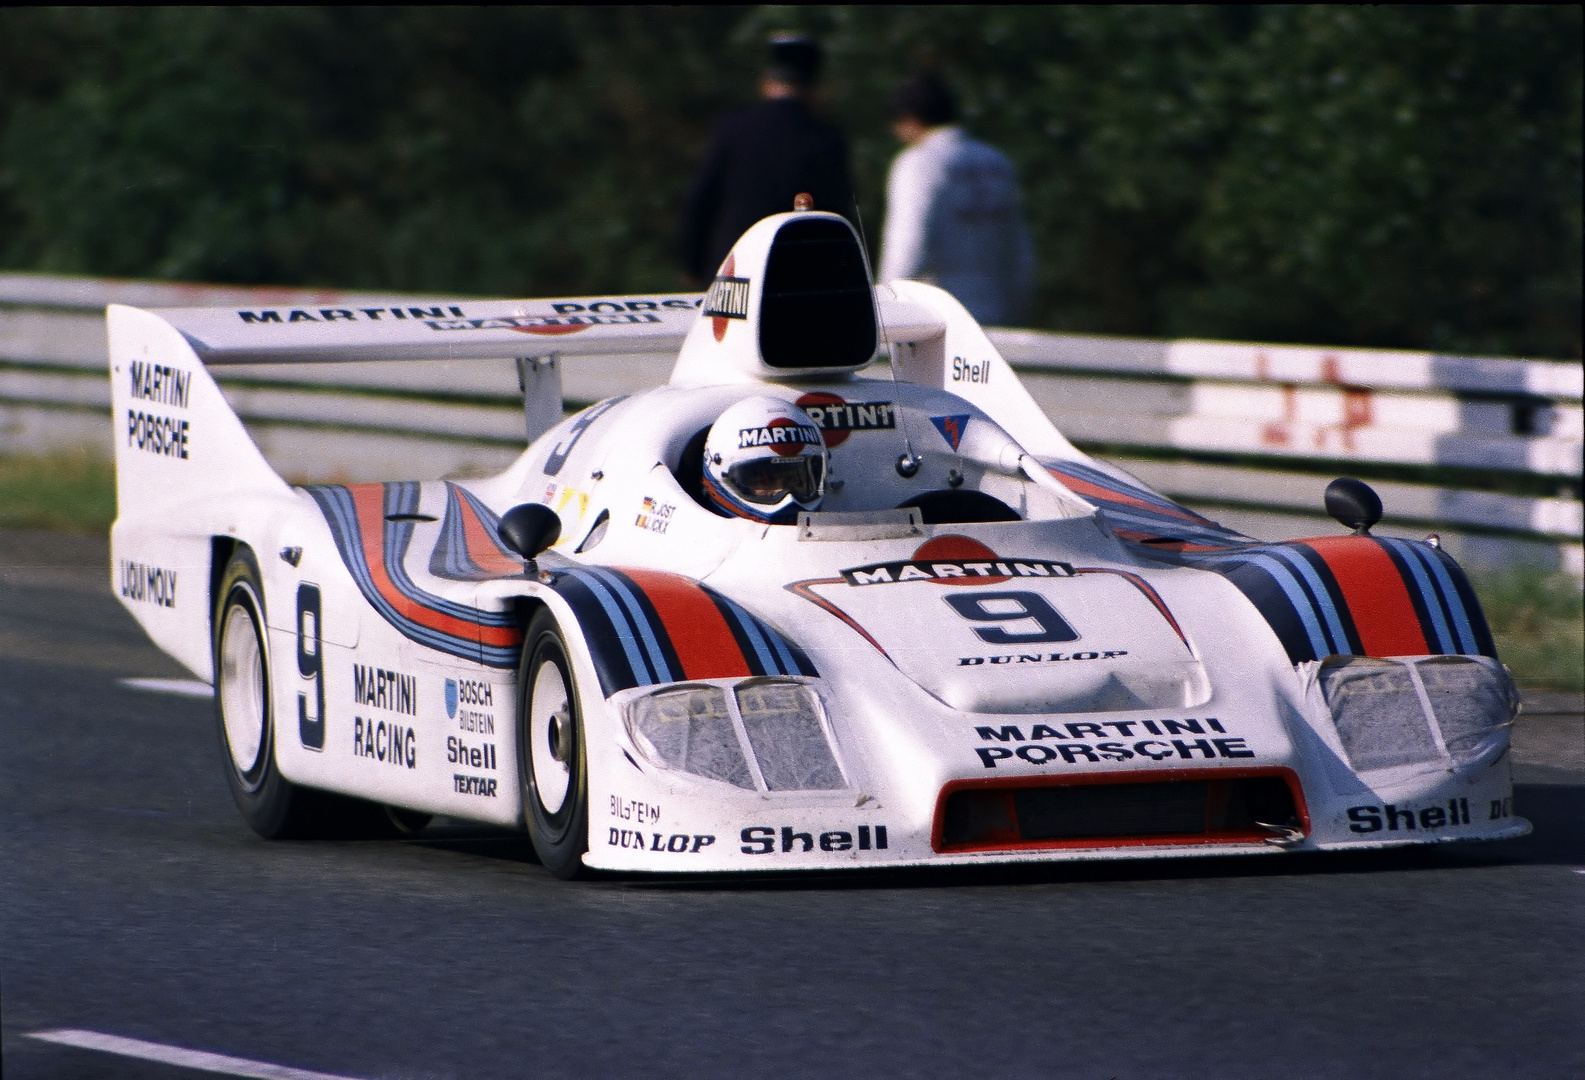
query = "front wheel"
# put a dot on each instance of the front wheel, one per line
(551, 767)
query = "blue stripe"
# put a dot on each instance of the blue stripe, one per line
(1323, 599)
(1111, 483)
(1120, 487)
(1162, 523)
(789, 662)
(619, 621)
(767, 662)
(1302, 604)
(1455, 603)
(398, 536)
(1445, 641)
(340, 513)
(640, 621)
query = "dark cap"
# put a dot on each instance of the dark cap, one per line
(925, 97)
(793, 59)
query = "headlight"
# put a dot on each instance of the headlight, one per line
(1397, 712)
(765, 734)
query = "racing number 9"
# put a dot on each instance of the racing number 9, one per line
(1026, 605)
(310, 665)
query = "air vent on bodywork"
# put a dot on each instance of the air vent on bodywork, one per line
(1208, 807)
(817, 309)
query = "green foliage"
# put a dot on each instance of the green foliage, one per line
(65, 492)
(1380, 176)
(1538, 621)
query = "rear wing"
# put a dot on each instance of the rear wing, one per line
(437, 330)
(535, 332)
(469, 329)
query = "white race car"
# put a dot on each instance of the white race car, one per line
(983, 646)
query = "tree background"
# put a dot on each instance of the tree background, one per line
(1386, 176)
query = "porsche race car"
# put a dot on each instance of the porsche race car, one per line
(984, 646)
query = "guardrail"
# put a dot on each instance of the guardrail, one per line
(1486, 451)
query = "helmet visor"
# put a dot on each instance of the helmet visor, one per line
(768, 481)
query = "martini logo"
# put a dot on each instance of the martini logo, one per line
(838, 418)
(727, 298)
(546, 325)
(786, 436)
(951, 427)
(956, 560)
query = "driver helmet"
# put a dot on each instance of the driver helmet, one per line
(765, 460)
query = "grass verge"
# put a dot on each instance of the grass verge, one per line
(1538, 619)
(71, 492)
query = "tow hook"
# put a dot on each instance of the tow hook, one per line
(1282, 835)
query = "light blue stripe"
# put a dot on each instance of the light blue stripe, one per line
(1119, 487)
(624, 631)
(1284, 578)
(1455, 603)
(789, 663)
(1323, 599)
(1189, 530)
(1445, 641)
(640, 622)
(757, 639)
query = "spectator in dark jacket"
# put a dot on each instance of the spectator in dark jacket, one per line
(761, 157)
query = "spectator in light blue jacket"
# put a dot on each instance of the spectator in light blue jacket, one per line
(953, 215)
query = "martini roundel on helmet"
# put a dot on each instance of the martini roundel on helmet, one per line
(765, 461)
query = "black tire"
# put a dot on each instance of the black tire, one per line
(550, 736)
(273, 806)
(406, 823)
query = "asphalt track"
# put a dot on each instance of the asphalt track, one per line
(136, 904)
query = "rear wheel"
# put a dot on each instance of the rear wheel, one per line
(243, 704)
(272, 805)
(551, 765)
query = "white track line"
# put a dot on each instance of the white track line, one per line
(177, 1055)
(183, 687)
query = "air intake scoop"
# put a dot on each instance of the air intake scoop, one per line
(792, 300)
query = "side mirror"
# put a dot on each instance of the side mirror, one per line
(528, 529)
(1353, 503)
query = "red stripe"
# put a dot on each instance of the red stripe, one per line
(1147, 591)
(805, 590)
(481, 546)
(1096, 491)
(370, 502)
(1377, 598)
(698, 631)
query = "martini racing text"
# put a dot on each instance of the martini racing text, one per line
(374, 314)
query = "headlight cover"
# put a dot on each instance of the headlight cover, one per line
(762, 734)
(1417, 710)
(782, 720)
(691, 729)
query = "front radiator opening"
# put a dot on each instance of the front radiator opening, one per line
(1186, 807)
